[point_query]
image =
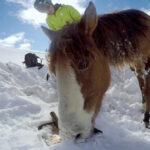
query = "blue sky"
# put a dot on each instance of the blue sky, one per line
(20, 22)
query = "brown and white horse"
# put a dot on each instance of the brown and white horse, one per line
(80, 55)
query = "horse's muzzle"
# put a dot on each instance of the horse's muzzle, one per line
(94, 132)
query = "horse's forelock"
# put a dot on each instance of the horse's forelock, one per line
(72, 43)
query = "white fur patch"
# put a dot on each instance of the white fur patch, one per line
(73, 119)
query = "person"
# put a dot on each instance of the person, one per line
(57, 15)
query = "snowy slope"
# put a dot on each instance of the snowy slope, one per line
(26, 99)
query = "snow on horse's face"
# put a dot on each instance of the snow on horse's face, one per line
(80, 76)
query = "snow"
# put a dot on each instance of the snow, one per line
(26, 99)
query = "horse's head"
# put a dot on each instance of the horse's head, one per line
(82, 74)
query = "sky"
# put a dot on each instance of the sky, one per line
(20, 22)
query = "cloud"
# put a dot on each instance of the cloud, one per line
(24, 3)
(32, 16)
(13, 40)
(146, 11)
(26, 46)
(29, 15)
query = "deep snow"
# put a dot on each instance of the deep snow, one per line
(26, 99)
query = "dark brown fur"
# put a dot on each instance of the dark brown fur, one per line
(117, 35)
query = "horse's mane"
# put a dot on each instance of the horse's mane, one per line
(116, 36)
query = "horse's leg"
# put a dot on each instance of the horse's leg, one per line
(143, 76)
(147, 100)
(144, 82)
(141, 80)
(147, 94)
(140, 74)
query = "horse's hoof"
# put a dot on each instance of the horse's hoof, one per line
(146, 120)
(147, 125)
(96, 131)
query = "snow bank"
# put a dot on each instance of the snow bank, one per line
(26, 99)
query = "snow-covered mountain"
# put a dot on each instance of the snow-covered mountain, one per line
(26, 99)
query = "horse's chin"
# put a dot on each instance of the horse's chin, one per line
(80, 136)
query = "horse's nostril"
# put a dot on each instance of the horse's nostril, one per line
(78, 136)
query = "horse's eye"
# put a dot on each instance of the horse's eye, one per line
(83, 64)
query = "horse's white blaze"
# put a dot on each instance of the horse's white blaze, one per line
(73, 119)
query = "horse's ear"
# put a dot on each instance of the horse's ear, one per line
(89, 19)
(51, 34)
